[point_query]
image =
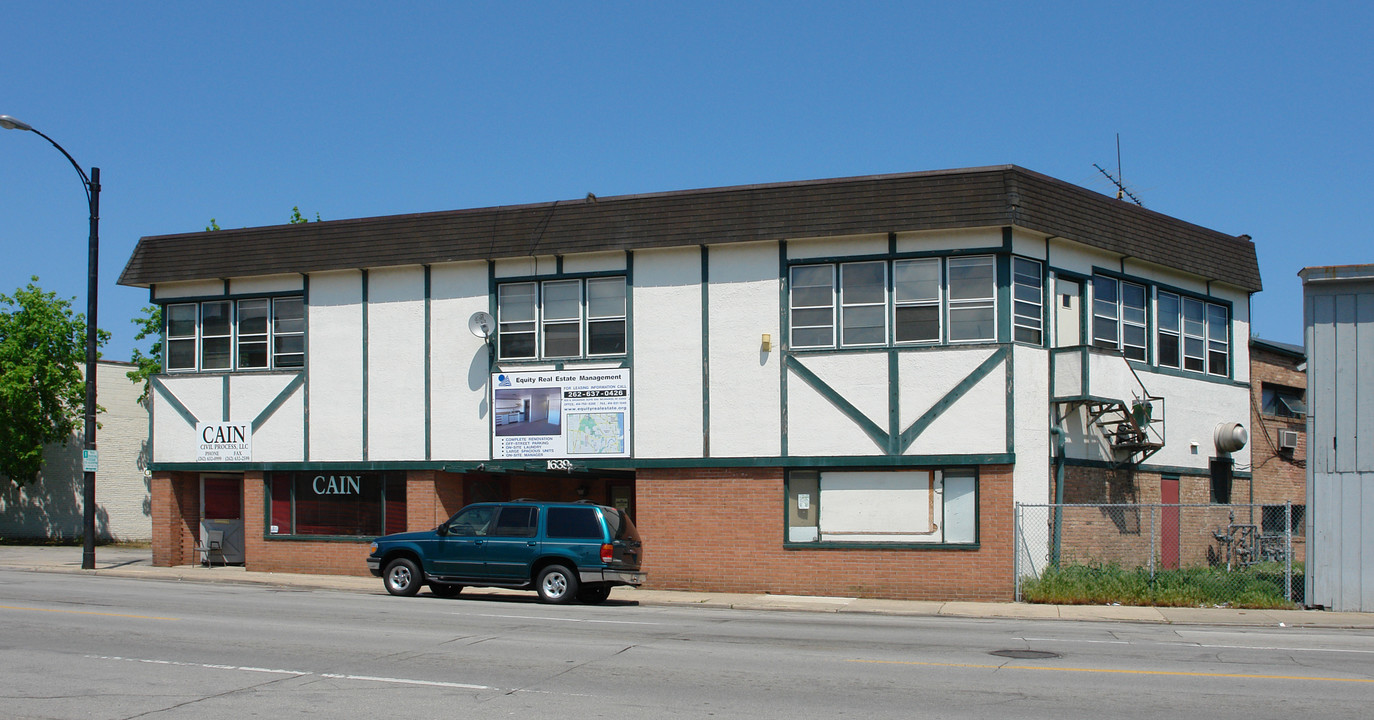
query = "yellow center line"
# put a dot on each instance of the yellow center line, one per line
(1119, 672)
(86, 612)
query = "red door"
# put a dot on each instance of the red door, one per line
(1168, 523)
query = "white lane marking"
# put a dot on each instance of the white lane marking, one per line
(1188, 643)
(296, 673)
(556, 619)
(404, 681)
(207, 666)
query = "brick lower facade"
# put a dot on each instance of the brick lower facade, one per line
(718, 530)
(722, 530)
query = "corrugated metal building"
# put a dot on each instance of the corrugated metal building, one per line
(1338, 311)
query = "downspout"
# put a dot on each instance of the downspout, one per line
(1058, 435)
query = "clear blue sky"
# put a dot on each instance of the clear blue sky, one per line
(1248, 117)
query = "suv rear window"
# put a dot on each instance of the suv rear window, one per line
(574, 523)
(621, 527)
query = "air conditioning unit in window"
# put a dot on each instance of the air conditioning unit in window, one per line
(1288, 440)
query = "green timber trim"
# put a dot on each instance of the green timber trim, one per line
(529, 466)
(958, 391)
(1011, 397)
(278, 401)
(173, 402)
(894, 402)
(628, 362)
(784, 341)
(363, 305)
(879, 436)
(429, 435)
(305, 371)
(1002, 269)
(706, 353)
(224, 399)
(492, 342)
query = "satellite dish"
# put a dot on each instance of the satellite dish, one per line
(481, 324)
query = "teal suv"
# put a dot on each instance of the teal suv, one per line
(560, 550)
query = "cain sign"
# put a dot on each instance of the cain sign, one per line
(224, 442)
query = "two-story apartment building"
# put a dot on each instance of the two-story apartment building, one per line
(821, 387)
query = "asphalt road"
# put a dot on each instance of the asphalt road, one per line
(76, 646)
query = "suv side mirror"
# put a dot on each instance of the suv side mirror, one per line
(442, 530)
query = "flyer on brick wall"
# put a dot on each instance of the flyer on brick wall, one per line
(561, 414)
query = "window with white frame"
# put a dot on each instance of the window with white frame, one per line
(916, 300)
(972, 299)
(863, 303)
(231, 335)
(865, 507)
(812, 289)
(851, 304)
(1192, 334)
(1028, 301)
(1168, 343)
(1119, 316)
(555, 319)
(1218, 340)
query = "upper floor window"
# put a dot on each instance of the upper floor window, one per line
(1028, 301)
(228, 335)
(1282, 401)
(1192, 334)
(972, 298)
(556, 319)
(854, 305)
(1119, 316)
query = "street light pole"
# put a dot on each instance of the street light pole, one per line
(92, 187)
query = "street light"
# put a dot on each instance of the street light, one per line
(92, 187)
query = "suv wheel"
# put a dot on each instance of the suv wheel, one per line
(402, 577)
(556, 584)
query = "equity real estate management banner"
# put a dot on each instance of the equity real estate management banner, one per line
(561, 414)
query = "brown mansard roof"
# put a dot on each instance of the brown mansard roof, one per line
(977, 197)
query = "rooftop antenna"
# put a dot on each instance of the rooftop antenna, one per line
(1118, 179)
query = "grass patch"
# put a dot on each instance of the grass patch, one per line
(1259, 586)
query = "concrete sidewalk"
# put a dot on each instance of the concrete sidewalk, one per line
(116, 561)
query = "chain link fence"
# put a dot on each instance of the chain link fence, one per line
(1160, 554)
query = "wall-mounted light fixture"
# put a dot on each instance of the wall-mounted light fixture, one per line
(767, 345)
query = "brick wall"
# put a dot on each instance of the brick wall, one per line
(175, 509)
(1129, 535)
(1278, 476)
(722, 530)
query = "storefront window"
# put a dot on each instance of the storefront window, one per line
(338, 503)
(907, 507)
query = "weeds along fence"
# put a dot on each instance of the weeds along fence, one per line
(1159, 554)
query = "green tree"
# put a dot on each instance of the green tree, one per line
(146, 366)
(42, 389)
